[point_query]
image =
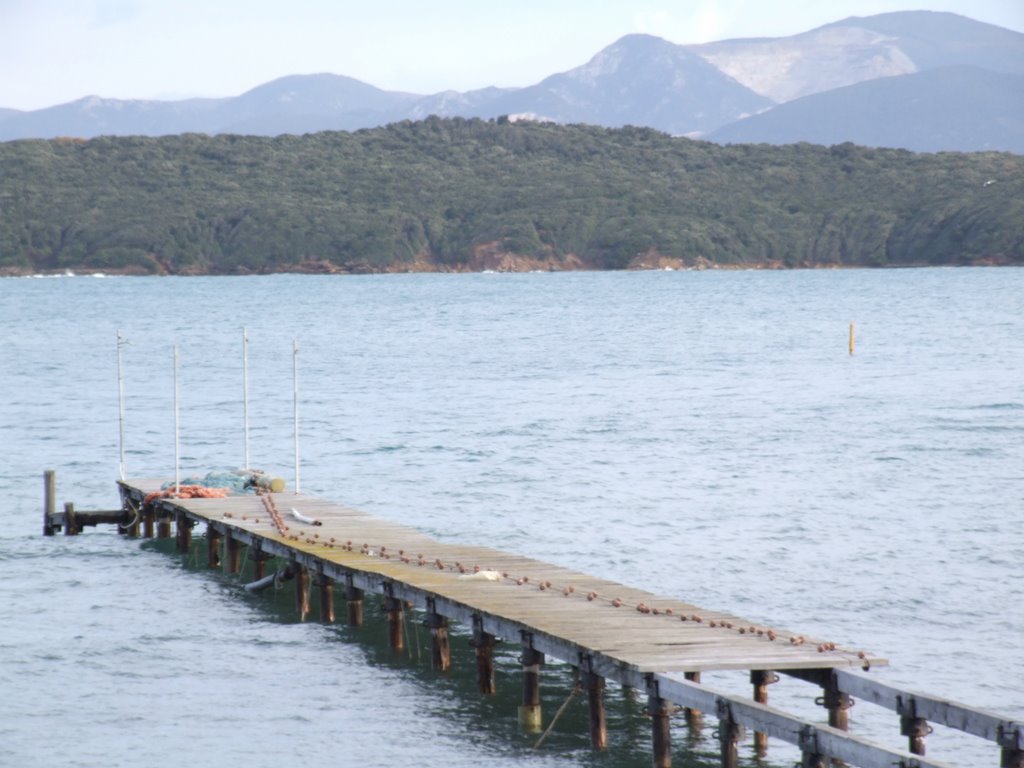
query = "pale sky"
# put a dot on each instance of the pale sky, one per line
(55, 51)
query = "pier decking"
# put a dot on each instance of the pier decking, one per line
(607, 630)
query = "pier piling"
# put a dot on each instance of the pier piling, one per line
(661, 734)
(440, 647)
(49, 501)
(594, 685)
(354, 601)
(530, 718)
(326, 586)
(484, 644)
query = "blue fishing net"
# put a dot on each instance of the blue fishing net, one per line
(235, 482)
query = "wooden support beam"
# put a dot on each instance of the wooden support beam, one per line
(163, 527)
(326, 598)
(484, 644)
(148, 522)
(354, 598)
(49, 501)
(761, 679)
(661, 734)
(70, 523)
(440, 647)
(212, 547)
(530, 717)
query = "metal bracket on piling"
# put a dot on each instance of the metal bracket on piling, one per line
(835, 701)
(1010, 737)
(812, 753)
(913, 727)
(730, 733)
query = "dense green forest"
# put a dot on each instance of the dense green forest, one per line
(473, 194)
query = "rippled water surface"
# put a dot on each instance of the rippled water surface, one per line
(704, 435)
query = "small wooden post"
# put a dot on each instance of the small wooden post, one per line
(49, 501)
(301, 590)
(326, 598)
(595, 700)
(729, 735)
(530, 718)
(661, 733)
(70, 523)
(163, 527)
(694, 717)
(484, 644)
(354, 598)
(148, 522)
(183, 529)
(212, 547)
(440, 648)
(761, 679)
(232, 553)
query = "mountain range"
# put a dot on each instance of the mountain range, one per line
(919, 80)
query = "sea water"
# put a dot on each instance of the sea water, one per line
(704, 435)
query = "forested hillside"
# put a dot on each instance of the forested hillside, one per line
(472, 194)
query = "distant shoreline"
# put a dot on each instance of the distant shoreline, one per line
(70, 273)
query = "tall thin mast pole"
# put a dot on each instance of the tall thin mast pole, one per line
(245, 393)
(120, 400)
(295, 396)
(177, 441)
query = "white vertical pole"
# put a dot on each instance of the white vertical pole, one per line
(177, 441)
(120, 399)
(295, 396)
(245, 393)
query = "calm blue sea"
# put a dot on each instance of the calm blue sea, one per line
(700, 434)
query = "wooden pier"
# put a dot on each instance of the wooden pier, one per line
(608, 631)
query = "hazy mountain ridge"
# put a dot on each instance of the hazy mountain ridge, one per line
(957, 108)
(696, 90)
